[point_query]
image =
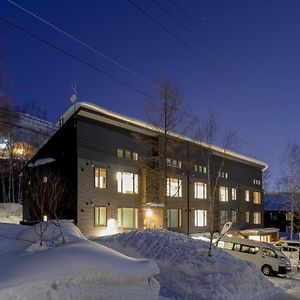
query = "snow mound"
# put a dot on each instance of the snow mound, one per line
(10, 213)
(77, 269)
(186, 272)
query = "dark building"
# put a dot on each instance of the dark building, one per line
(119, 179)
(277, 213)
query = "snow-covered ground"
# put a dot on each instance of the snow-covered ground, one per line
(186, 272)
(77, 269)
(10, 213)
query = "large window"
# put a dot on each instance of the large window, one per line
(223, 191)
(223, 216)
(247, 195)
(174, 218)
(200, 217)
(100, 178)
(257, 198)
(127, 183)
(174, 188)
(233, 193)
(257, 218)
(200, 190)
(127, 218)
(101, 216)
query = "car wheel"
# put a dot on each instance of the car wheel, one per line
(267, 270)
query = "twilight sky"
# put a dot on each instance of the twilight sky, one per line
(254, 42)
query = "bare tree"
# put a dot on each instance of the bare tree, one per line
(289, 182)
(214, 159)
(44, 190)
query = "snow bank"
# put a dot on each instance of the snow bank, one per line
(77, 269)
(186, 272)
(10, 213)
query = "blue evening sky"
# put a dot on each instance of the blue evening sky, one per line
(258, 40)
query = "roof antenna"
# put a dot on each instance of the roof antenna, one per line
(74, 100)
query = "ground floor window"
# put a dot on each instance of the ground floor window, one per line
(174, 217)
(233, 216)
(247, 216)
(200, 217)
(223, 216)
(101, 216)
(127, 218)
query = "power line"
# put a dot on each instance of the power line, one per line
(178, 39)
(199, 25)
(67, 53)
(82, 43)
(188, 30)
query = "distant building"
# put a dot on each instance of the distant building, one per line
(102, 155)
(277, 213)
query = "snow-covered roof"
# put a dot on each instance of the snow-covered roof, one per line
(279, 202)
(151, 129)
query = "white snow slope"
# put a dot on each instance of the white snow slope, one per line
(10, 213)
(78, 269)
(186, 272)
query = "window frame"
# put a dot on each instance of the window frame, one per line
(197, 190)
(95, 213)
(179, 217)
(97, 180)
(197, 213)
(178, 194)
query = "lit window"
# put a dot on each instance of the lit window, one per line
(233, 216)
(127, 183)
(127, 218)
(100, 216)
(204, 169)
(256, 218)
(100, 178)
(174, 163)
(223, 193)
(45, 179)
(247, 216)
(200, 217)
(223, 216)
(135, 156)
(256, 198)
(174, 218)
(199, 190)
(120, 153)
(247, 196)
(127, 154)
(196, 168)
(233, 194)
(174, 188)
(226, 175)
(169, 161)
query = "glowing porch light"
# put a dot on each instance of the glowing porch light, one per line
(149, 213)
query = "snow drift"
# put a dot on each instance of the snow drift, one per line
(77, 269)
(10, 213)
(186, 272)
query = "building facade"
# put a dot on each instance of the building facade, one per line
(121, 178)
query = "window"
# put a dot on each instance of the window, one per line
(100, 178)
(135, 156)
(247, 216)
(256, 198)
(233, 193)
(200, 190)
(120, 153)
(223, 216)
(233, 216)
(256, 181)
(223, 194)
(127, 218)
(127, 183)
(257, 218)
(200, 217)
(174, 188)
(174, 163)
(247, 196)
(174, 217)
(101, 216)
(127, 154)
(196, 168)
(200, 169)
(223, 174)
(268, 252)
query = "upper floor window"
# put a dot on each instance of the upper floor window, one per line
(257, 198)
(257, 218)
(174, 218)
(127, 183)
(223, 175)
(121, 153)
(200, 169)
(233, 193)
(200, 217)
(199, 190)
(247, 216)
(174, 163)
(127, 218)
(233, 216)
(174, 188)
(256, 181)
(223, 193)
(100, 178)
(247, 195)
(101, 216)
